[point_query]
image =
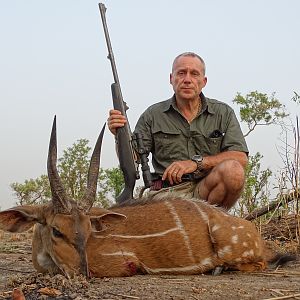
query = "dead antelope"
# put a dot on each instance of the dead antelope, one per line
(167, 236)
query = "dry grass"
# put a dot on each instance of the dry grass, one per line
(284, 231)
(15, 242)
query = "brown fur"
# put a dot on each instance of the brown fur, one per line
(169, 236)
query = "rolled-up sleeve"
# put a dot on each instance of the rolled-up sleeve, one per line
(143, 127)
(233, 139)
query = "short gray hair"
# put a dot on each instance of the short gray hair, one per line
(190, 54)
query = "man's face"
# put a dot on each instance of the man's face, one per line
(188, 78)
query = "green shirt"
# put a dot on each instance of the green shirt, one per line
(169, 136)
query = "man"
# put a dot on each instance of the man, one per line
(192, 134)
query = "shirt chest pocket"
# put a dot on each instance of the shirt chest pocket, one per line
(207, 145)
(167, 143)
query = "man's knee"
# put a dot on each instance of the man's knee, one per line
(232, 174)
(223, 185)
(229, 173)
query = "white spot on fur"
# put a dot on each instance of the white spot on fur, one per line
(206, 262)
(215, 227)
(248, 253)
(238, 259)
(223, 251)
(256, 244)
(245, 244)
(234, 239)
(248, 235)
(181, 229)
(237, 227)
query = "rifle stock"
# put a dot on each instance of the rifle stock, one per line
(124, 149)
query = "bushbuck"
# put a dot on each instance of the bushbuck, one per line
(172, 235)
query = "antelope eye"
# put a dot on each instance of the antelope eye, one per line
(56, 233)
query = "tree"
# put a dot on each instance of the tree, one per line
(114, 181)
(257, 109)
(73, 168)
(256, 191)
(32, 191)
(111, 183)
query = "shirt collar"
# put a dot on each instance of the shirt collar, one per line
(206, 105)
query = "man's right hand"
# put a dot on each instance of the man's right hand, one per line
(115, 121)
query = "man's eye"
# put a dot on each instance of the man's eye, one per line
(56, 233)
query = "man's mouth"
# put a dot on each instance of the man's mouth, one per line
(186, 89)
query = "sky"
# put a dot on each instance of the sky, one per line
(53, 61)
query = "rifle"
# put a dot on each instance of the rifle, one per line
(128, 158)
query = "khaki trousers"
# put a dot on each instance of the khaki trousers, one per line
(184, 189)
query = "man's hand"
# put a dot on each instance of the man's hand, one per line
(175, 170)
(115, 120)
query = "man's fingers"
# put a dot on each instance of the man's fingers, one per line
(114, 125)
(175, 171)
(179, 175)
(176, 175)
(173, 174)
(114, 112)
(115, 120)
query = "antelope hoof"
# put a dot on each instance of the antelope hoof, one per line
(217, 270)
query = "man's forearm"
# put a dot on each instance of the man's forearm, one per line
(211, 161)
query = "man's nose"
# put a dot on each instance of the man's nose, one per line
(187, 77)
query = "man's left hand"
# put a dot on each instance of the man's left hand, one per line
(175, 170)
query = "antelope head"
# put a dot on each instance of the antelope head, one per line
(63, 226)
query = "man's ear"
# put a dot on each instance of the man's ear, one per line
(20, 218)
(104, 220)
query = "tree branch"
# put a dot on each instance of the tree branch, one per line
(295, 195)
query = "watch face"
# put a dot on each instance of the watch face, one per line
(197, 157)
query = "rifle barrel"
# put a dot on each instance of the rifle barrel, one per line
(110, 56)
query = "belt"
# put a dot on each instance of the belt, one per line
(160, 184)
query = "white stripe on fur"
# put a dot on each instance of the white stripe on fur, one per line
(181, 229)
(144, 236)
(203, 215)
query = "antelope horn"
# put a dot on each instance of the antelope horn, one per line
(59, 198)
(90, 193)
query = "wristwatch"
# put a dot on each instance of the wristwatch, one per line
(198, 159)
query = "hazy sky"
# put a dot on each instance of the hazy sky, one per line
(53, 62)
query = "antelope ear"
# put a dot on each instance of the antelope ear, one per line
(20, 218)
(103, 219)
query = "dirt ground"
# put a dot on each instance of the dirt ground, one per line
(16, 271)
